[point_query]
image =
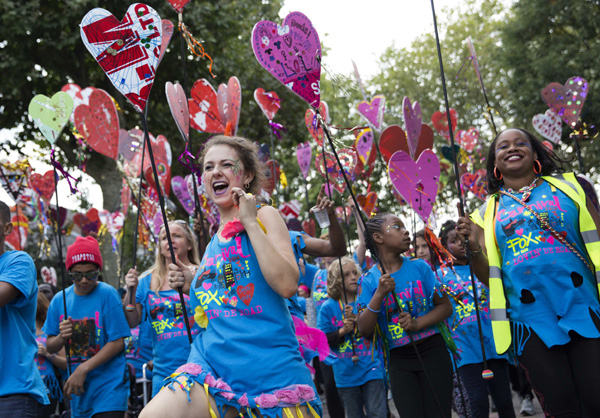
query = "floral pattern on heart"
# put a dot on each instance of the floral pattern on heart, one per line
(567, 100)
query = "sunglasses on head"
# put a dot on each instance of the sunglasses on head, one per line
(90, 275)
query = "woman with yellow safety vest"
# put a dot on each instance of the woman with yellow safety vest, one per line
(536, 242)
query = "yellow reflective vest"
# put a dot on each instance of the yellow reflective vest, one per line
(485, 218)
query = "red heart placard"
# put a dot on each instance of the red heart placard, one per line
(204, 110)
(367, 203)
(43, 184)
(99, 123)
(440, 122)
(268, 102)
(315, 129)
(309, 226)
(229, 98)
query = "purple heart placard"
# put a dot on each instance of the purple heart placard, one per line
(179, 186)
(412, 124)
(567, 100)
(178, 104)
(416, 181)
(304, 156)
(364, 145)
(373, 111)
(291, 53)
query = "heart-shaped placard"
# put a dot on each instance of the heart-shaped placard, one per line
(291, 53)
(343, 214)
(125, 197)
(268, 102)
(99, 123)
(204, 110)
(475, 182)
(50, 115)
(229, 98)
(416, 181)
(62, 215)
(373, 111)
(179, 185)
(567, 101)
(272, 173)
(392, 139)
(367, 203)
(315, 129)
(128, 51)
(161, 149)
(178, 105)
(14, 178)
(328, 168)
(412, 124)
(89, 222)
(17, 239)
(309, 226)
(49, 275)
(167, 34)
(79, 96)
(43, 184)
(468, 138)
(164, 176)
(130, 149)
(348, 158)
(178, 5)
(304, 157)
(440, 122)
(364, 145)
(548, 125)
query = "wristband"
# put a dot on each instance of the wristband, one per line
(53, 356)
(478, 251)
(373, 310)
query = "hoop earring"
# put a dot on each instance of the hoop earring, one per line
(496, 174)
(539, 170)
(247, 185)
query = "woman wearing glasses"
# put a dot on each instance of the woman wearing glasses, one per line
(95, 329)
(157, 303)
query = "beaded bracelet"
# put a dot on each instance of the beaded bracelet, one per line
(373, 310)
(474, 253)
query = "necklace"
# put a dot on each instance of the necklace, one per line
(526, 190)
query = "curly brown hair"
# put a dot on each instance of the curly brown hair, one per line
(248, 153)
(334, 277)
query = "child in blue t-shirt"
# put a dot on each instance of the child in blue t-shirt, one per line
(421, 384)
(93, 333)
(358, 375)
(466, 333)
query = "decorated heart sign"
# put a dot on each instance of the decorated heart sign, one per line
(179, 185)
(79, 96)
(268, 102)
(567, 101)
(468, 138)
(43, 184)
(328, 168)
(130, 150)
(440, 122)
(167, 34)
(204, 111)
(49, 275)
(343, 214)
(309, 226)
(178, 105)
(229, 99)
(475, 182)
(315, 129)
(348, 159)
(364, 145)
(50, 115)
(548, 125)
(178, 5)
(164, 176)
(272, 173)
(373, 111)
(367, 202)
(14, 179)
(304, 157)
(128, 51)
(89, 222)
(391, 140)
(292, 54)
(99, 123)
(416, 181)
(162, 152)
(412, 124)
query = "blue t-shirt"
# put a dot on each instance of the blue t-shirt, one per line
(98, 319)
(47, 371)
(548, 287)
(18, 347)
(296, 306)
(319, 289)
(138, 348)
(415, 286)
(463, 321)
(345, 371)
(170, 343)
(249, 341)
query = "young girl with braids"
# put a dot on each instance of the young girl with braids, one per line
(359, 379)
(419, 388)
(466, 333)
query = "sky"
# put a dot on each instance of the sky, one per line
(350, 30)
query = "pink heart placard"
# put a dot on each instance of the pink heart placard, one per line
(99, 123)
(416, 181)
(178, 105)
(548, 125)
(468, 138)
(373, 111)
(315, 129)
(167, 34)
(43, 185)
(204, 110)
(229, 98)
(128, 51)
(475, 182)
(364, 145)
(178, 5)
(327, 167)
(567, 100)
(440, 122)
(292, 54)
(304, 157)
(268, 102)
(412, 124)
(179, 186)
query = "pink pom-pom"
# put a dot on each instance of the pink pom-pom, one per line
(190, 368)
(243, 401)
(266, 401)
(487, 374)
(305, 392)
(210, 380)
(288, 396)
(231, 229)
(220, 384)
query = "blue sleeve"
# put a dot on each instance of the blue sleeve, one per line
(366, 290)
(142, 290)
(53, 316)
(309, 275)
(115, 323)
(324, 319)
(19, 271)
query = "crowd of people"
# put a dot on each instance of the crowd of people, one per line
(506, 294)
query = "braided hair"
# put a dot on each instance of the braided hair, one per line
(445, 230)
(373, 226)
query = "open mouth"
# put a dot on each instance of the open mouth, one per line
(514, 157)
(220, 187)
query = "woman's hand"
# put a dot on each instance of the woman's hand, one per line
(407, 322)
(180, 275)
(465, 228)
(131, 279)
(386, 285)
(246, 203)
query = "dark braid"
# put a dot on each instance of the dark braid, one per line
(445, 230)
(373, 226)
